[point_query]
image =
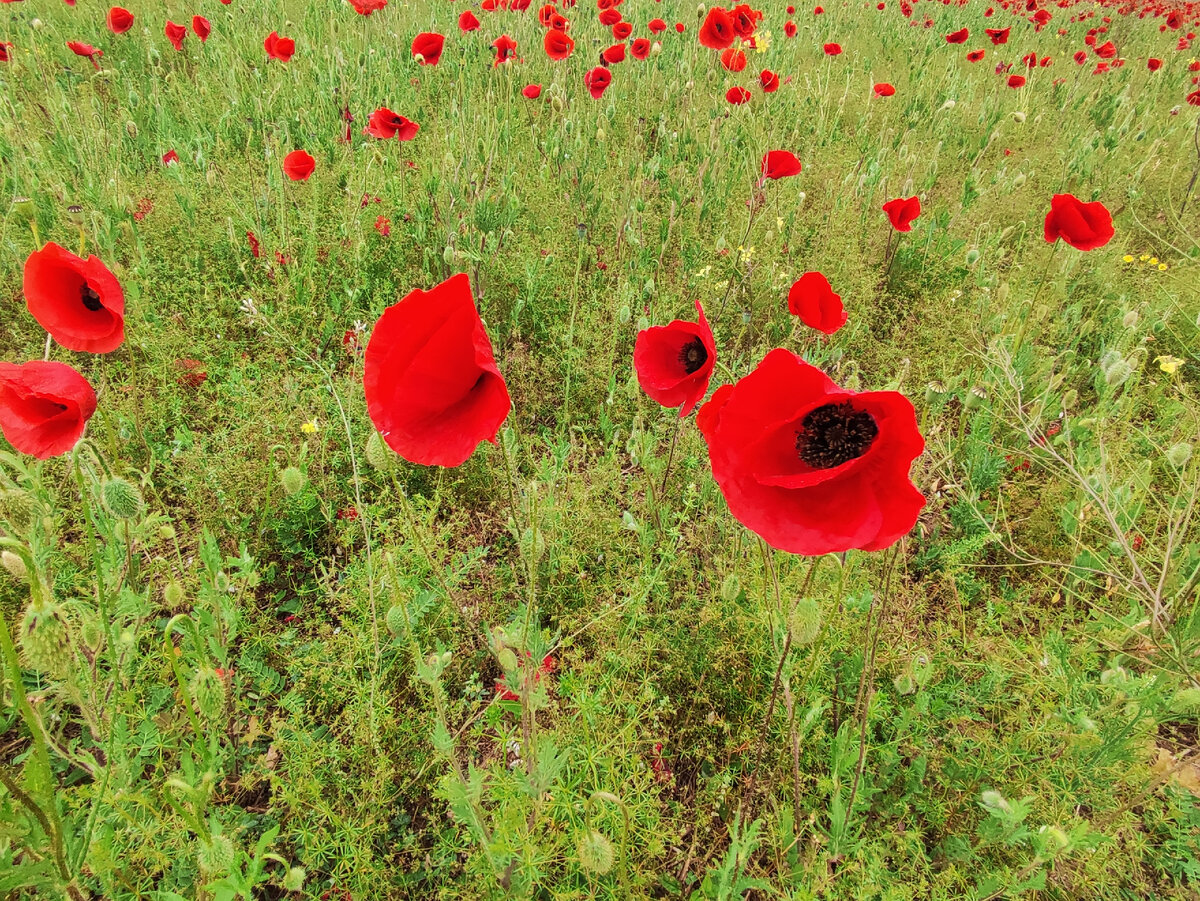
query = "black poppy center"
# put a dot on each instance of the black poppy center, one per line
(693, 355)
(90, 298)
(834, 434)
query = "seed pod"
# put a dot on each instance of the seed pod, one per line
(935, 391)
(976, 398)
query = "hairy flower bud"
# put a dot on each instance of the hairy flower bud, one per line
(216, 857)
(293, 480)
(15, 566)
(209, 691)
(121, 498)
(379, 455)
(1179, 454)
(595, 852)
(45, 639)
(804, 622)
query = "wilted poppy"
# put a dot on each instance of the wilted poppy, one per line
(428, 46)
(175, 34)
(998, 35)
(883, 89)
(202, 27)
(975, 56)
(558, 44)
(737, 96)
(640, 48)
(299, 165)
(813, 300)
(768, 81)
(811, 467)
(506, 49)
(79, 48)
(119, 20)
(532, 91)
(44, 407)
(1016, 81)
(1085, 226)
(433, 389)
(832, 49)
(733, 60)
(902, 211)
(717, 31)
(596, 80)
(279, 48)
(780, 164)
(467, 21)
(674, 362)
(386, 124)
(958, 37)
(79, 302)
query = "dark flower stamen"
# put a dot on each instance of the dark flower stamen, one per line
(834, 434)
(91, 299)
(693, 355)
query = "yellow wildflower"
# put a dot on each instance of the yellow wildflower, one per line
(1144, 257)
(1168, 364)
(1162, 267)
(310, 427)
(1128, 258)
(1153, 261)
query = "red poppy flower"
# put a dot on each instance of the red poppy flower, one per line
(1080, 57)
(717, 31)
(832, 49)
(733, 60)
(545, 14)
(433, 389)
(789, 28)
(79, 302)
(613, 55)
(559, 22)
(428, 46)
(883, 89)
(640, 48)
(768, 81)
(202, 27)
(812, 299)
(744, 20)
(119, 20)
(1045, 61)
(467, 21)
(621, 31)
(610, 17)
(975, 56)
(532, 91)
(254, 245)
(998, 35)
(679, 27)
(1030, 60)
(79, 48)
(1193, 98)
(596, 80)
(902, 211)
(175, 34)
(1107, 50)
(1085, 226)
(674, 362)
(545, 669)
(5, 46)
(737, 96)
(506, 49)
(386, 124)
(279, 48)
(1016, 81)
(780, 164)
(1153, 64)
(362, 7)
(44, 407)
(656, 26)
(170, 157)
(558, 45)
(810, 467)
(958, 37)
(299, 165)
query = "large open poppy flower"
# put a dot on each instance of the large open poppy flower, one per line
(558, 44)
(432, 385)
(717, 32)
(780, 164)
(674, 362)
(386, 124)
(428, 45)
(597, 81)
(810, 467)
(902, 211)
(1085, 226)
(998, 35)
(299, 165)
(44, 407)
(467, 21)
(812, 299)
(506, 49)
(613, 55)
(79, 302)
(119, 20)
(640, 48)
(733, 60)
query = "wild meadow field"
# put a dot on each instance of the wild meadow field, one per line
(619, 450)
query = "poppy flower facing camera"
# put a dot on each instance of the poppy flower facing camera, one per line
(674, 362)
(433, 389)
(79, 302)
(44, 407)
(810, 467)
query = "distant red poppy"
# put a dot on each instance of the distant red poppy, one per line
(428, 45)
(737, 96)
(717, 32)
(5, 47)
(656, 26)
(1044, 62)
(202, 27)
(674, 362)
(79, 48)
(1085, 226)
(386, 124)
(119, 20)
(1193, 98)
(279, 48)
(558, 45)
(768, 81)
(170, 157)
(1016, 81)
(808, 466)
(640, 48)
(779, 164)
(679, 27)
(998, 35)
(299, 165)
(545, 669)
(1153, 64)
(1080, 57)
(902, 211)
(1107, 50)
(532, 91)
(506, 49)
(883, 89)
(789, 28)
(44, 407)
(79, 302)
(467, 21)
(596, 80)
(621, 31)
(1030, 60)
(733, 60)
(432, 386)
(362, 7)
(813, 300)
(383, 225)
(975, 56)
(832, 49)
(958, 37)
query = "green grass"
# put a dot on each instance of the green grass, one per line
(993, 709)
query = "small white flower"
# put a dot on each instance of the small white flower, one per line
(248, 306)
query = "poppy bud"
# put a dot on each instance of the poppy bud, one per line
(121, 498)
(1118, 373)
(1130, 319)
(730, 588)
(378, 454)
(507, 659)
(935, 391)
(44, 639)
(949, 104)
(209, 691)
(419, 59)
(92, 634)
(655, 48)
(448, 255)
(172, 594)
(701, 9)
(167, 533)
(75, 215)
(1070, 399)
(972, 256)
(16, 506)
(804, 622)
(1057, 838)
(36, 23)
(1001, 295)
(210, 177)
(975, 398)
(24, 208)
(216, 857)
(1186, 701)
(624, 314)
(293, 881)
(595, 850)
(15, 566)
(292, 479)
(1018, 180)
(1179, 454)
(395, 620)
(994, 802)
(131, 128)
(1018, 116)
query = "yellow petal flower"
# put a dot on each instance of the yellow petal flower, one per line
(1168, 364)
(1162, 267)
(309, 428)
(1128, 258)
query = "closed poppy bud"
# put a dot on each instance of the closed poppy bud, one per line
(812, 299)
(432, 386)
(674, 362)
(299, 165)
(79, 302)
(119, 20)
(44, 407)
